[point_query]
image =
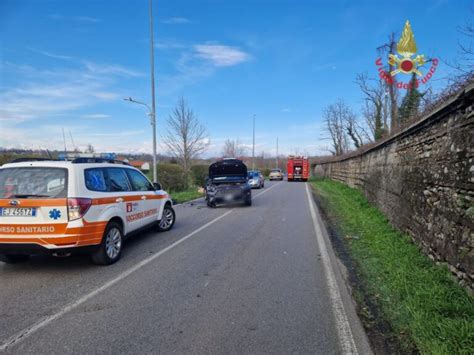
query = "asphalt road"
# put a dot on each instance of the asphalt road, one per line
(227, 280)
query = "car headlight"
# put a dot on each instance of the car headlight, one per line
(211, 190)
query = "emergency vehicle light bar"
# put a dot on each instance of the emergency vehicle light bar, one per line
(85, 160)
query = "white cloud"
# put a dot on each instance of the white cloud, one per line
(176, 21)
(169, 44)
(95, 116)
(51, 55)
(50, 137)
(221, 55)
(58, 17)
(117, 134)
(112, 69)
(286, 109)
(59, 91)
(106, 96)
(87, 19)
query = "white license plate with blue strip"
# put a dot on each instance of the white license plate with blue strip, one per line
(17, 212)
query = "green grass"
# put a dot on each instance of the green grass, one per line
(186, 195)
(425, 306)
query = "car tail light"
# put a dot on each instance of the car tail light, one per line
(77, 207)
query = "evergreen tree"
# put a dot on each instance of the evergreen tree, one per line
(379, 130)
(410, 103)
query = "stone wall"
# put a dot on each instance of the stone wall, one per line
(422, 179)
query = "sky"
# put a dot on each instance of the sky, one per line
(68, 65)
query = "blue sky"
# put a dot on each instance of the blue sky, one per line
(69, 64)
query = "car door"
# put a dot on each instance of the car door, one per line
(128, 202)
(142, 186)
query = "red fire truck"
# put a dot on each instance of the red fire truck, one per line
(297, 168)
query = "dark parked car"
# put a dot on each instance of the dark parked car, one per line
(228, 183)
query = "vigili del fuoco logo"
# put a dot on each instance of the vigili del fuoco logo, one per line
(405, 62)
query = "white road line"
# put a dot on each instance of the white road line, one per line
(268, 189)
(344, 332)
(25, 333)
(22, 335)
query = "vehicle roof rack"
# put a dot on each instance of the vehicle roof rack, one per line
(24, 159)
(85, 160)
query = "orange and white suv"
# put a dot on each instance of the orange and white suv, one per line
(87, 204)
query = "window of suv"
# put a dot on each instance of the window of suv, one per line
(117, 179)
(139, 181)
(31, 182)
(95, 179)
(106, 179)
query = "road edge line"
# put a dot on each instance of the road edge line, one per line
(25, 333)
(344, 332)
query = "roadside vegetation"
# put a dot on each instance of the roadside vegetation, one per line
(425, 307)
(186, 195)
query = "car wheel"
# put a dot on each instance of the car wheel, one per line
(248, 201)
(110, 249)
(211, 204)
(13, 259)
(167, 219)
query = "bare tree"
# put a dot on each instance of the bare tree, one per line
(233, 148)
(336, 117)
(376, 109)
(186, 137)
(464, 63)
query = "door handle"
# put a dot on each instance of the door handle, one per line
(119, 199)
(143, 197)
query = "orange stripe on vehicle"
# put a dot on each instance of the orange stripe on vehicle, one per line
(113, 199)
(158, 197)
(33, 229)
(30, 202)
(52, 229)
(90, 234)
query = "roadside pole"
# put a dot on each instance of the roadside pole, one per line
(153, 107)
(253, 145)
(277, 155)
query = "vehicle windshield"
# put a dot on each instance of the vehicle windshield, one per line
(276, 170)
(252, 174)
(33, 182)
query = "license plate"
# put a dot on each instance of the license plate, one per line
(228, 197)
(18, 212)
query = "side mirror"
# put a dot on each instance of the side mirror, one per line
(157, 186)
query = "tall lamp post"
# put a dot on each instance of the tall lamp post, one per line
(151, 113)
(152, 109)
(277, 155)
(152, 74)
(253, 145)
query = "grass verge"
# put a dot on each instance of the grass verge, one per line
(186, 195)
(425, 307)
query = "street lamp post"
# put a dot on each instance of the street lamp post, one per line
(253, 145)
(277, 155)
(152, 74)
(152, 109)
(151, 113)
